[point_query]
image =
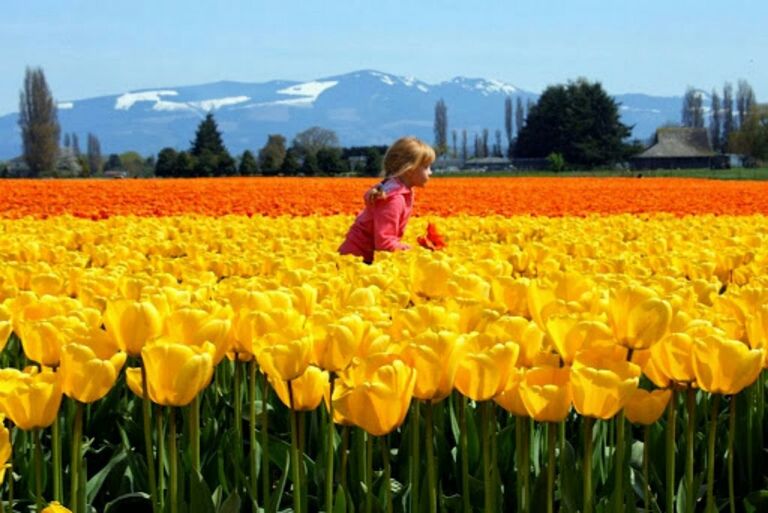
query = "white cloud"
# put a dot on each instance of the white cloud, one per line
(65, 105)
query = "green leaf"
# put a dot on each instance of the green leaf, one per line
(277, 497)
(200, 497)
(340, 500)
(129, 503)
(231, 505)
(94, 484)
(571, 490)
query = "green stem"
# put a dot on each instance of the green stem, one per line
(2, 505)
(265, 477)
(238, 407)
(589, 423)
(690, 495)
(56, 457)
(387, 473)
(74, 470)
(431, 478)
(295, 462)
(194, 433)
(670, 452)
(646, 455)
(368, 473)
(252, 429)
(464, 453)
(145, 404)
(710, 508)
(619, 462)
(519, 461)
(551, 441)
(415, 455)
(750, 396)
(488, 483)
(38, 471)
(172, 463)
(160, 437)
(344, 457)
(329, 452)
(731, 432)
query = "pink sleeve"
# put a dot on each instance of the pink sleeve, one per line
(386, 224)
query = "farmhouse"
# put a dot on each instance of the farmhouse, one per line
(679, 148)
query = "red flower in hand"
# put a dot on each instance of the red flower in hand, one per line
(432, 240)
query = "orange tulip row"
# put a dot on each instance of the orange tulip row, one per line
(99, 199)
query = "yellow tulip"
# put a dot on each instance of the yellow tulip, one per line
(46, 284)
(546, 393)
(512, 294)
(571, 333)
(194, 326)
(638, 317)
(6, 325)
(646, 407)
(672, 357)
(336, 343)
(510, 398)
(485, 365)
(409, 322)
(42, 340)
(5, 448)
(85, 376)
(375, 396)
(650, 369)
(285, 355)
(526, 333)
(33, 401)
(435, 357)
(602, 383)
(176, 372)
(308, 389)
(429, 277)
(55, 507)
(132, 324)
(725, 366)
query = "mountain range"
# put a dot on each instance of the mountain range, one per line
(363, 107)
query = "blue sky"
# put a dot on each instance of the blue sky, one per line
(89, 48)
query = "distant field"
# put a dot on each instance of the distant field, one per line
(717, 174)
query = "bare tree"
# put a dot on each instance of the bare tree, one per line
(464, 148)
(728, 122)
(314, 139)
(453, 136)
(441, 127)
(485, 142)
(693, 109)
(745, 100)
(39, 124)
(94, 154)
(714, 122)
(497, 144)
(508, 122)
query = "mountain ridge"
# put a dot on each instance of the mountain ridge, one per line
(363, 107)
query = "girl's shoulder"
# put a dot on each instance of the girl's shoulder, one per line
(389, 185)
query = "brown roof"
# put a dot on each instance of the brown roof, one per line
(679, 142)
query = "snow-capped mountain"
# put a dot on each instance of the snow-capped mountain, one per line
(363, 107)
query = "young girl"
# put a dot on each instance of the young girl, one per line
(380, 226)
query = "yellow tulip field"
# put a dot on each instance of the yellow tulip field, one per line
(600, 362)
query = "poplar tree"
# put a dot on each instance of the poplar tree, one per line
(728, 124)
(508, 123)
(519, 114)
(94, 154)
(39, 124)
(441, 128)
(714, 122)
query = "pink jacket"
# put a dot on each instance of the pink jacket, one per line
(380, 227)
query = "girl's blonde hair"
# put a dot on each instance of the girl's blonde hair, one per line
(405, 154)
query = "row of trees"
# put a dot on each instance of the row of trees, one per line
(312, 152)
(726, 116)
(578, 121)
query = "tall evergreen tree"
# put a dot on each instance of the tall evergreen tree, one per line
(67, 142)
(497, 144)
(441, 127)
(166, 163)
(248, 165)
(578, 120)
(728, 122)
(714, 122)
(508, 122)
(39, 124)
(454, 153)
(484, 146)
(210, 155)
(290, 165)
(93, 154)
(309, 167)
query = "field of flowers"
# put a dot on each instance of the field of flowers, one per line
(590, 345)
